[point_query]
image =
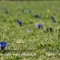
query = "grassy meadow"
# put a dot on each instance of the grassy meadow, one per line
(35, 44)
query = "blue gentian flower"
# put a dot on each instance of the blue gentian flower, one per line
(53, 19)
(22, 10)
(3, 44)
(36, 15)
(6, 11)
(47, 29)
(30, 11)
(39, 25)
(50, 29)
(19, 22)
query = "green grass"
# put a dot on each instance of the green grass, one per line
(36, 44)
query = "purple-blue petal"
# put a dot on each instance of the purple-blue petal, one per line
(39, 25)
(3, 45)
(36, 15)
(19, 22)
(30, 11)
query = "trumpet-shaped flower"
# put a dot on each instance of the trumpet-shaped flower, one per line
(53, 19)
(6, 11)
(30, 11)
(3, 44)
(36, 15)
(51, 29)
(39, 25)
(47, 29)
(19, 22)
